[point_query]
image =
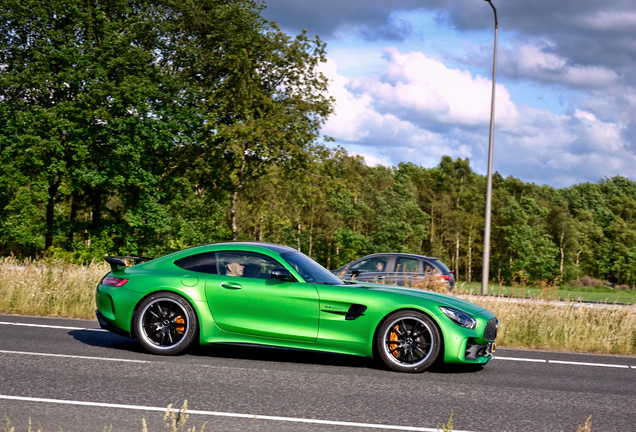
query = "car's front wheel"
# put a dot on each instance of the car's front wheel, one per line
(408, 341)
(165, 323)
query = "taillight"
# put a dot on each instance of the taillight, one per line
(446, 278)
(114, 281)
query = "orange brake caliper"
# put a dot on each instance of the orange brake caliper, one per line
(393, 337)
(180, 327)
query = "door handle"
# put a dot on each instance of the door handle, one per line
(231, 285)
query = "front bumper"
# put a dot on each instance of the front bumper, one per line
(471, 346)
(475, 351)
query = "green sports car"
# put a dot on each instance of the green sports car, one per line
(267, 294)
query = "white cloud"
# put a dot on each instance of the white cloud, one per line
(531, 61)
(420, 87)
(412, 91)
(566, 92)
(419, 110)
(563, 149)
(613, 21)
(373, 160)
(598, 136)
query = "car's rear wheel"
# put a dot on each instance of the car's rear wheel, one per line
(408, 341)
(165, 323)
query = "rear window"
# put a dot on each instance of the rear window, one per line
(407, 265)
(441, 266)
(203, 263)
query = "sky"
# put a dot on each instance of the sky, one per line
(412, 81)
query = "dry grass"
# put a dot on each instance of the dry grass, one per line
(587, 426)
(565, 326)
(429, 281)
(49, 287)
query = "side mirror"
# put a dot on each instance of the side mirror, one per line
(282, 274)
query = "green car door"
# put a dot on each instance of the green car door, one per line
(244, 299)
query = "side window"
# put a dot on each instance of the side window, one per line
(379, 264)
(204, 263)
(407, 265)
(370, 265)
(242, 264)
(360, 266)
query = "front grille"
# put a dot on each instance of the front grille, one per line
(491, 329)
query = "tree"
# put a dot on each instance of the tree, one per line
(562, 227)
(264, 96)
(524, 247)
(110, 110)
(83, 101)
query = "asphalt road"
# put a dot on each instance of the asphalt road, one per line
(69, 375)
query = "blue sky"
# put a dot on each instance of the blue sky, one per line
(412, 82)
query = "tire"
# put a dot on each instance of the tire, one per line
(408, 341)
(165, 323)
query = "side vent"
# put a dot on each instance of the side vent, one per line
(355, 311)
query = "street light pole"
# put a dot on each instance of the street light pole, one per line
(486, 261)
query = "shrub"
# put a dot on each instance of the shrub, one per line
(587, 281)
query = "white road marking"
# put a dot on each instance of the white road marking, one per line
(225, 414)
(49, 326)
(73, 356)
(565, 362)
(521, 359)
(589, 364)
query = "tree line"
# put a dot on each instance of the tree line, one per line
(141, 127)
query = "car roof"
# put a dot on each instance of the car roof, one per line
(388, 254)
(217, 246)
(275, 247)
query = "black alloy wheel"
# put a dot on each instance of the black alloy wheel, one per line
(165, 323)
(408, 341)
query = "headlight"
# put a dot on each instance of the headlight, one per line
(460, 318)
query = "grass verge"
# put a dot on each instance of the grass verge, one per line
(592, 293)
(563, 326)
(49, 287)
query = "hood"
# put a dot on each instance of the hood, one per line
(441, 299)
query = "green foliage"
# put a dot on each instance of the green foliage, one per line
(85, 252)
(110, 110)
(84, 102)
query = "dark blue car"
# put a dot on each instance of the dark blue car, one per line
(396, 269)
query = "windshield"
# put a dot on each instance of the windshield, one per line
(309, 269)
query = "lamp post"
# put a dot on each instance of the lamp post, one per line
(486, 260)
